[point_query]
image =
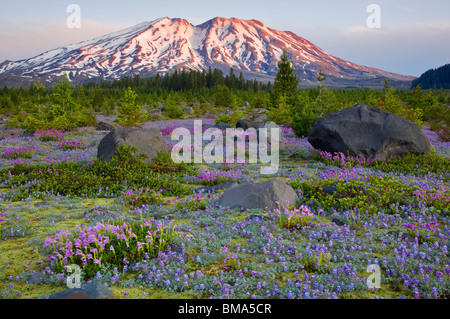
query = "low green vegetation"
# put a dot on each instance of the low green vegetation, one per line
(97, 178)
(135, 100)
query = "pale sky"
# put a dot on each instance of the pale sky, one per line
(414, 35)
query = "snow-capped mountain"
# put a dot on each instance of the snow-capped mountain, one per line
(167, 44)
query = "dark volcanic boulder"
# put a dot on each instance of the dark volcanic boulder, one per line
(365, 131)
(245, 124)
(148, 141)
(222, 126)
(103, 126)
(259, 195)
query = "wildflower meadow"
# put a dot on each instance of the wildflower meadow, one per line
(149, 232)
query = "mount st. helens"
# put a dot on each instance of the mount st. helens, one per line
(167, 44)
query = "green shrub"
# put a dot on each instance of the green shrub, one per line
(164, 164)
(173, 110)
(317, 263)
(223, 96)
(138, 197)
(356, 194)
(282, 113)
(124, 171)
(231, 117)
(306, 110)
(417, 164)
(129, 112)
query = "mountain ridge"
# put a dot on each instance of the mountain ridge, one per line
(165, 44)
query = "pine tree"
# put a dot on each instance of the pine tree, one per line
(130, 113)
(62, 96)
(98, 100)
(286, 82)
(40, 90)
(320, 78)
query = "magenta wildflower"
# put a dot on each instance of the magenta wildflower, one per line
(71, 145)
(19, 152)
(49, 135)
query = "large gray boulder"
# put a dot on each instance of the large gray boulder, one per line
(366, 131)
(259, 195)
(148, 141)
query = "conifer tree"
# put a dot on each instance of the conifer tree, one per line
(62, 96)
(130, 113)
(286, 82)
(320, 78)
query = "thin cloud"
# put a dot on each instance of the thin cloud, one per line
(420, 13)
(416, 29)
(408, 49)
(22, 41)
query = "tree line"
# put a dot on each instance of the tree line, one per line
(434, 79)
(66, 105)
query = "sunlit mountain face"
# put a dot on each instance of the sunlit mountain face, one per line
(165, 45)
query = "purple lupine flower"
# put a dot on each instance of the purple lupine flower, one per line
(434, 292)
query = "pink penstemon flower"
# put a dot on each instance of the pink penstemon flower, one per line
(19, 152)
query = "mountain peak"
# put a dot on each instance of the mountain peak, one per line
(167, 44)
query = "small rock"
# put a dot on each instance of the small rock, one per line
(179, 250)
(41, 204)
(189, 110)
(94, 290)
(37, 278)
(133, 267)
(338, 222)
(329, 190)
